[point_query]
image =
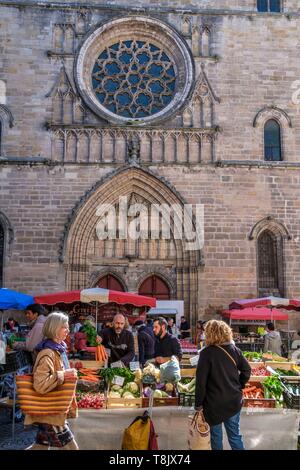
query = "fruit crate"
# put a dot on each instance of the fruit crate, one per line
(190, 372)
(258, 402)
(186, 399)
(291, 399)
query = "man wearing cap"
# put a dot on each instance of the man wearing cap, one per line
(145, 342)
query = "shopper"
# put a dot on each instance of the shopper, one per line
(52, 369)
(200, 335)
(119, 341)
(222, 373)
(273, 341)
(166, 345)
(145, 342)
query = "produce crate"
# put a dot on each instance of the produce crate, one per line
(164, 401)
(258, 402)
(280, 365)
(258, 378)
(291, 399)
(122, 402)
(191, 372)
(87, 364)
(186, 399)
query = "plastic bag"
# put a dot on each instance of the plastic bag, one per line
(170, 371)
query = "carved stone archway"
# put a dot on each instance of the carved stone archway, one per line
(82, 260)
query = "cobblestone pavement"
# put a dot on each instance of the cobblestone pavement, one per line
(24, 435)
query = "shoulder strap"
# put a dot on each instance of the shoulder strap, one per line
(229, 355)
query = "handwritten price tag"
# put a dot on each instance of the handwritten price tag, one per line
(118, 380)
(134, 365)
(116, 364)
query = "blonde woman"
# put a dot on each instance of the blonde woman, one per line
(50, 370)
(222, 373)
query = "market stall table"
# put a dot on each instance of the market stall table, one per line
(103, 429)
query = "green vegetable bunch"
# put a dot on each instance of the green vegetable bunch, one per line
(91, 333)
(108, 374)
(273, 388)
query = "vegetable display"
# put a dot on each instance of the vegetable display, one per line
(269, 356)
(151, 372)
(109, 374)
(101, 354)
(90, 400)
(130, 391)
(293, 388)
(252, 356)
(253, 392)
(90, 332)
(273, 388)
(187, 388)
(260, 371)
(288, 373)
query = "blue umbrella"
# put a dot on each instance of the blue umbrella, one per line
(12, 299)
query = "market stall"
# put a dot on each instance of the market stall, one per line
(248, 325)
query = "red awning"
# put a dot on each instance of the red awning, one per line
(96, 295)
(255, 314)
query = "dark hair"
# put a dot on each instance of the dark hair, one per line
(139, 323)
(149, 321)
(162, 321)
(182, 317)
(10, 319)
(36, 308)
(271, 326)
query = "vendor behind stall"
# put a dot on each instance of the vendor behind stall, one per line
(166, 345)
(36, 317)
(119, 341)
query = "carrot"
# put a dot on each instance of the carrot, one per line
(249, 389)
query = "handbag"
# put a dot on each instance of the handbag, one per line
(199, 432)
(56, 402)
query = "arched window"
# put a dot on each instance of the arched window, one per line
(1, 254)
(270, 264)
(273, 6)
(110, 282)
(272, 141)
(154, 286)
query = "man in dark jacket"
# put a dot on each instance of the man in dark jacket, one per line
(145, 342)
(119, 341)
(166, 345)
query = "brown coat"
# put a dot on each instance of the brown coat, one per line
(48, 373)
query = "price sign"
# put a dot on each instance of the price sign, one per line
(117, 380)
(116, 364)
(134, 365)
(194, 360)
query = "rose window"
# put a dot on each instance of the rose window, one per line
(134, 79)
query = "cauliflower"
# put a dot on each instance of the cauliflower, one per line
(157, 394)
(116, 388)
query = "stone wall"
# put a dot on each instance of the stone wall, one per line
(249, 70)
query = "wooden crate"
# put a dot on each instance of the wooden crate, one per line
(258, 402)
(170, 401)
(123, 402)
(256, 364)
(280, 365)
(191, 372)
(88, 364)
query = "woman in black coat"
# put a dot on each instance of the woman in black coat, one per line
(222, 373)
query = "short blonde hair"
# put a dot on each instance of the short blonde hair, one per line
(53, 323)
(217, 332)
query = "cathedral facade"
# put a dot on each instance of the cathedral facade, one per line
(164, 103)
